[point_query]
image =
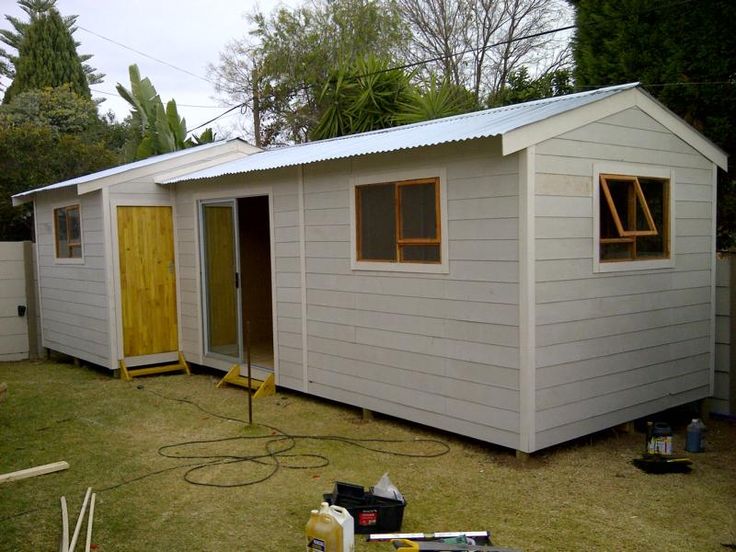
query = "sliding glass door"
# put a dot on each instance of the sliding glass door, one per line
(221, 279)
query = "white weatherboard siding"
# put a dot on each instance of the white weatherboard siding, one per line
(720, 402)
(13, 328)
(73, 296)
(615, 346)
(438, 349)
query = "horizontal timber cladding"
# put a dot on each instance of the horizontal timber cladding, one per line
(437, 348)
(74, 295)
(613, 346)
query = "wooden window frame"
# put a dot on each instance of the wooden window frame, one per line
(68, 254)
(400, 241)
(628, 235)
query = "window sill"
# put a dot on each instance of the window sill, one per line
(632, 266)
(419, 268)
(69, 261)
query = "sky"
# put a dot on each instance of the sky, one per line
(188, 34)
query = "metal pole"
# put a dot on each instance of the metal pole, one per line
(250, 379)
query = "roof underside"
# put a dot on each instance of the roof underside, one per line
(481, 124)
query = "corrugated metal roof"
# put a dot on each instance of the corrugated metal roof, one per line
(124, 168)
(469, 126)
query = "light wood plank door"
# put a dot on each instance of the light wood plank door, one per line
(147, 280)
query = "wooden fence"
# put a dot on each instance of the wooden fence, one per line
(724, 395)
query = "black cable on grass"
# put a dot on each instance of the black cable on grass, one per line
(274, 454)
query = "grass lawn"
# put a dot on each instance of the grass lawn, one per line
(582, 496)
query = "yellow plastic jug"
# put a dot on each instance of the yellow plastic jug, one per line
(323, 531)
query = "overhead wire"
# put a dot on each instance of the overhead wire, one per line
(144, 54)
(417, 63)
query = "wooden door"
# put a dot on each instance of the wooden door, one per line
(147, 280)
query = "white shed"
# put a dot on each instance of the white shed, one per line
(523, 275)
(87, 310)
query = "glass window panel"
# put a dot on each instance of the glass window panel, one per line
(616, 251)
(220, 268)
(75, 233)
(654, 193)
(418, 211)
(377, 227)
(620, 190)
(420, 253)
(61, 225)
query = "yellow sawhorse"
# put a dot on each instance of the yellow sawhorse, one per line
(129, 373)
(263, 388)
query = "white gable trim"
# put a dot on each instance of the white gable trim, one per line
(525, 136)
(680, 128)
(196, 160)
(176, 162)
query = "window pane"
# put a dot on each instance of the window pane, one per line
(418, 211)
(62, 249)
(425, 253)
(616, 251)
(75, 233)
(654, 193)
(61, 224)
(620, 192)
(377, 228)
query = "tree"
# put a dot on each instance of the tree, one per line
(435, 100)
(13, 37)
(59, 108)
(684, 57)
(278, 72)
(47, 57)
(520, 87)
(365, 96)
(34, 155)
(156, 129)
(477, 44)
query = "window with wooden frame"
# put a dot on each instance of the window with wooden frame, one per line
(399, 222)
(634, 218)
(68, 232)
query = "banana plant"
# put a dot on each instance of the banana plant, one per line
(159, 129)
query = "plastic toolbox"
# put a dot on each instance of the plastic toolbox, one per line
(371, 513)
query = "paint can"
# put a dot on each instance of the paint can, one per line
(659, 439)
(695, 436)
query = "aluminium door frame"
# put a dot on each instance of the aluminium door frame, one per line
(206, 352)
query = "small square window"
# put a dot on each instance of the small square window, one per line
(634, 218)
(68, 232)
(399, 222)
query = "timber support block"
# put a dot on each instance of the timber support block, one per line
(128, 374)
(262, 388)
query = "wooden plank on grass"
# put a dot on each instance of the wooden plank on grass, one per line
(33, 472)
(64, 545)
(88, 544)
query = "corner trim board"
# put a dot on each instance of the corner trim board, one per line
(303, 280)
(527, 301)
